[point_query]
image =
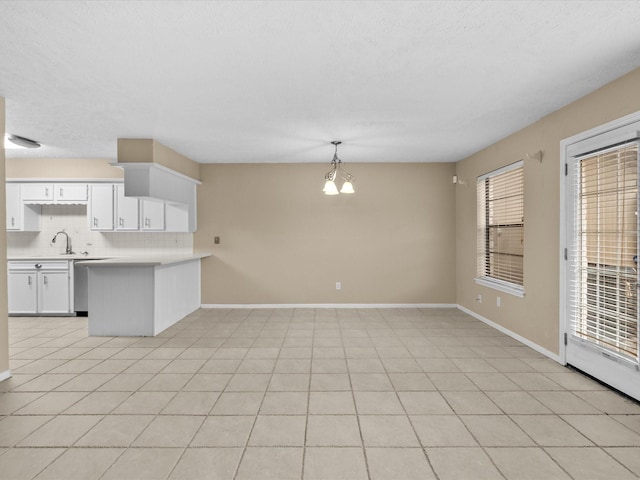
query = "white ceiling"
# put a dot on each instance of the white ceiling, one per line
(277, 81)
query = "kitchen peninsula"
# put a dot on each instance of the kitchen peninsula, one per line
(141, 296)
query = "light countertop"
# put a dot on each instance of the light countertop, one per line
(142, 261)
(36, 258)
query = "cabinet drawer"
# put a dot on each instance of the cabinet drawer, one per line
(22, 265)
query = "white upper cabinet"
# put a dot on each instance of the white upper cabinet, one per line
(21, 217)
(127, 211)
(70, 192)
(54, 192)
(108, 209)
(152, 215)
(14, 205)
(101, 207)
(37, 192)
(176, 217)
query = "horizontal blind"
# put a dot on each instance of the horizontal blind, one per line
(501, 225)
(603, 292)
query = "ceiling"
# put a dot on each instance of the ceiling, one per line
(277, 81)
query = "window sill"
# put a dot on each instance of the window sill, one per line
(506, 287)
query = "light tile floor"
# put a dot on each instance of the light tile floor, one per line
(305, 394)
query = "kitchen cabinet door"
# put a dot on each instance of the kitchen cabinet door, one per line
(152, 215)
(37, 192)
(177, 217)
(23, 292)
(14, 205)
(101, 207)
(70, 192)
(127, 211)
(21, 217)
(53, 290)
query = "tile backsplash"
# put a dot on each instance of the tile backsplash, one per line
(73, 220)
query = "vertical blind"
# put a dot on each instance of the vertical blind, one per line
(604, 287)
(501, 225)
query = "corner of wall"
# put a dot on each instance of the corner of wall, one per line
(4, 320)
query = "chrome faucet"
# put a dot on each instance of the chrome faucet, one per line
(68, 251)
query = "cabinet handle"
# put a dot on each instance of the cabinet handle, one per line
(13, 221)
(147, 222)
(46, 191)
(44, 279)
(38, 265)
(61, 192)
(29, 280)
(95, 221)
(121, 221)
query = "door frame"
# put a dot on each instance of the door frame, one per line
(565, 145)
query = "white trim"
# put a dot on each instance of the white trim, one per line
(513, 335)
(65, 180)
(328, 305)
(4, 375)
(149, 165)
(505, 169)
(565, 146)
(506, 287)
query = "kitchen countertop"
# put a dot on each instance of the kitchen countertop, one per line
(75, 256)
(150, 261)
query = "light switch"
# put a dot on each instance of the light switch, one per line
(216, 240)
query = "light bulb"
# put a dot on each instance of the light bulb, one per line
(347, 187)
(330, 188)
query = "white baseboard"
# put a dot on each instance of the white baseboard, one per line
(4, 375)
(329, 305)
(513, 335)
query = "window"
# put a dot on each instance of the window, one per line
(501, 229)
(606, 248)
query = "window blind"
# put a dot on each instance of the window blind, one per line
(500, 201)
(603, 295)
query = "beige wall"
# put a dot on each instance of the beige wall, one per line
(61, 168)
(4, 321)
(284, 241)
(536, 316)
(147, 150)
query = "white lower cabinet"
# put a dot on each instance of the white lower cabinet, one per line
(40, 288)
(53, 292)
(23, 293)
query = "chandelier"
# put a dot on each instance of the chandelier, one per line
(337, 169)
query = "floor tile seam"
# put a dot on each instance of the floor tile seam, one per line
(255, 420)
(53, 417)
(51, 462)
(415, 432)
(563, 419)
(355, 409)
(545, 449)
(124, 450)
(230, 378)
(306, 422)
(484, 450)
(606, 452)
(43, 393)
(109, 415)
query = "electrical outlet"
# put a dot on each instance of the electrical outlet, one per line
(338, 285)
(479, 298)
(498, 302)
